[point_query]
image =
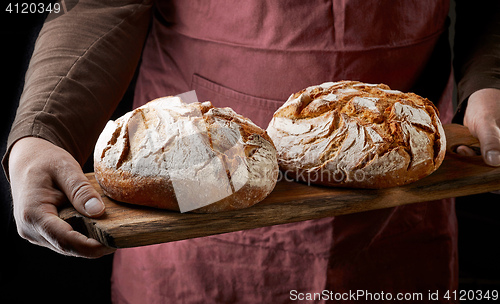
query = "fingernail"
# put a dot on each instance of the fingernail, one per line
(493, 158)
(94, 206)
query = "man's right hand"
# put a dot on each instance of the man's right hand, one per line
(43, 177)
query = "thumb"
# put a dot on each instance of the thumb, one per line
(80, 192)
(489, 138)
(482, 117)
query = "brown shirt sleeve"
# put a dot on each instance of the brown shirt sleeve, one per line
(476, 49)
(81, 66)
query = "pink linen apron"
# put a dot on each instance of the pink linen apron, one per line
(251, 55)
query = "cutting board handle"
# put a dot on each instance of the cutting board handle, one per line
(458, 135)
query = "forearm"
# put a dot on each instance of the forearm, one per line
(82, 65)
(476, 49)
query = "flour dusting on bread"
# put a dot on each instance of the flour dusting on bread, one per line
(354, 134)
(190, 153)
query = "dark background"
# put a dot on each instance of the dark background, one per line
(30, 273)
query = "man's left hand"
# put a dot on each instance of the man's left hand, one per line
(482, 117)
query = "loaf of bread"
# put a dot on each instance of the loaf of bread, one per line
(353, 134)
(187, 157)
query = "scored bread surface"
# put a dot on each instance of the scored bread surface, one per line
(143, 157)
(353, 134)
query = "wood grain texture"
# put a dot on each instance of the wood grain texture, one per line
(125, 225)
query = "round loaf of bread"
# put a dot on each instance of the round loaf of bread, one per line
(353, 134)
(188, 157)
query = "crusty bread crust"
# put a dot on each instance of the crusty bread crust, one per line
(138, 156)
(158, 192)
(352, 134)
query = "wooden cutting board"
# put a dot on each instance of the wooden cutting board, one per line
(125, 225)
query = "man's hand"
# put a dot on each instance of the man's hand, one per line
(43, 177)
(482, 117)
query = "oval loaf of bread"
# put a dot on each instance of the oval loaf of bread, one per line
(353, 134)
(168, 153)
